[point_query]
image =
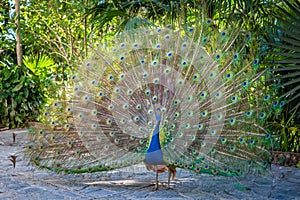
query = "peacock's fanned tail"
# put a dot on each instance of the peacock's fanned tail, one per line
(208, 86)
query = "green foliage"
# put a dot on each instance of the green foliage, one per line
(287, 132)
(24, 91)
(7, 40)
(46, 71)
(21, 96)
(60, 29)
(284, 55)
(118, 15)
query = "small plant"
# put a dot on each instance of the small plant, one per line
(288, 133)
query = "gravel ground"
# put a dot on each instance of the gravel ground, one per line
(26, 182)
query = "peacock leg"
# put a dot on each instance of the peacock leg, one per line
(156, 180)
(169, 177)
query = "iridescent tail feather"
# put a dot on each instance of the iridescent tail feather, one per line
(212, 94)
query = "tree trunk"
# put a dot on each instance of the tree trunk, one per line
(18, 36)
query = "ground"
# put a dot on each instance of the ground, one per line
(27, 182)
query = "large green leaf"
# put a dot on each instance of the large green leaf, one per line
(286, 57)
(20, 85)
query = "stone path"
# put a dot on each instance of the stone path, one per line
(26, 182)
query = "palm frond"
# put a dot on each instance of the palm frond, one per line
(286, 51)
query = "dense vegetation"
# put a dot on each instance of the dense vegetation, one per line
(42, 42)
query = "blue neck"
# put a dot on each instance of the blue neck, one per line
(154, 155)
(155, 144)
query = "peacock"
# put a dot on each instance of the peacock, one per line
(191, 96)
